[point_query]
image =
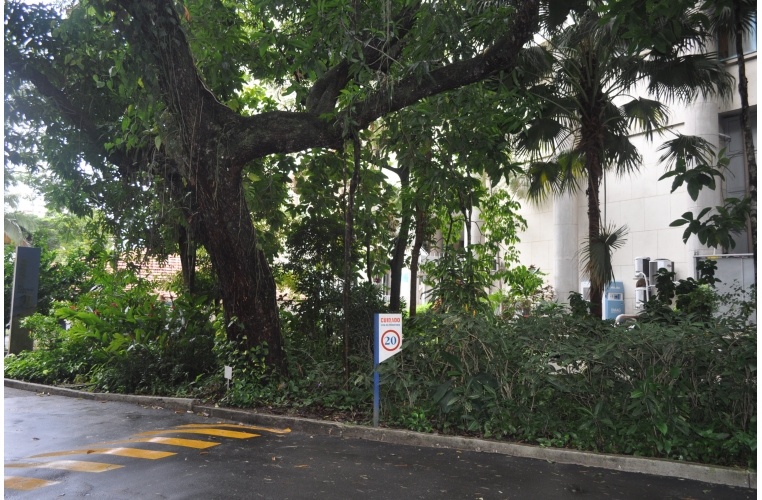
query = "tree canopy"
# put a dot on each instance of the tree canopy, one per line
(193, 124)
(155, 110)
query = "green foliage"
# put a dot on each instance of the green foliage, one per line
(695, 299)
(691, 159)
(682, 389)
(63, 275)
(318, 385)
(672, 391)
(459, 280)
(523, 293)
(524, 281)
(717, 230)
(120, 338)
(60, 358)
(578, 306)
(322, 329)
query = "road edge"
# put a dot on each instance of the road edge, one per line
(660, 467)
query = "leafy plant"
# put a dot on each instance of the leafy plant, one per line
(459, 280)
(718, 229)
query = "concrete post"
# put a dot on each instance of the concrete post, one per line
(566, 246)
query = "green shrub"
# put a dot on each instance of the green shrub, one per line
(120, 338)
(684, 391)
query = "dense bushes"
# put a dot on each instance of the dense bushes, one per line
(677, 384)
(686, 392)
(119, 337)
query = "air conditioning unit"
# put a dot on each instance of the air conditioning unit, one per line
(641, 297)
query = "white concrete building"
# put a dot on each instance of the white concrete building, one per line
(557, 228)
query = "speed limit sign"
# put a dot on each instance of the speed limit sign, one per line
(388, 336)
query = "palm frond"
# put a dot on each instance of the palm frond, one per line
(535, 63)
(691, 149)
(539, 136)
(689, 75)
(596, 254)
(723, 18)
(621, 154)
(647, 114)
(554, 178)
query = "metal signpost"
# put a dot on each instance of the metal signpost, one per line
(387, 341)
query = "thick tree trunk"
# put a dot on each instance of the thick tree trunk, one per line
(246, 281)
(750, 153)
(397, 262)
(420, 234)
(593, 231)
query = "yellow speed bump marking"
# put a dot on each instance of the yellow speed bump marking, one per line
(121, 452)
(235, 426)
(26, 483)
(186, 443)
(207, 431)
(72, 465)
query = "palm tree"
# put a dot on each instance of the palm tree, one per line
(582, 79)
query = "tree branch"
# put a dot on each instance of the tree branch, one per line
(128, 164)
(502, 56)
(291, 132)
(379, 54)
(243, 139)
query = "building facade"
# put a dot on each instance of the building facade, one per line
(557, 228)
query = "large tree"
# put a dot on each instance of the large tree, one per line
(153, 89)
(585, 77)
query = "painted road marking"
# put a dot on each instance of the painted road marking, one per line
(220, 430)
(120, 452)
(26, 483)
(72, 465)
(186, 443)
(235, 426)
(210, 431)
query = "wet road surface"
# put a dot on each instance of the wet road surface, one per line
(58, 447)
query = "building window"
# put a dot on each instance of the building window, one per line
(736, 182)
(726, 42)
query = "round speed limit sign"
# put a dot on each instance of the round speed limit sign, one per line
(391, 340)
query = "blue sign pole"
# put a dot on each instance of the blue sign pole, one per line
(376, 392)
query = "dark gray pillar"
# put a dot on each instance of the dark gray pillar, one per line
(26, 279)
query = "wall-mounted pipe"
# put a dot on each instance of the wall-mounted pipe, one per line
(622, 317)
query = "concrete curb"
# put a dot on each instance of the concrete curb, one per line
(164, 402)
(697, 472)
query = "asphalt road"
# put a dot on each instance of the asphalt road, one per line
(59, 447)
